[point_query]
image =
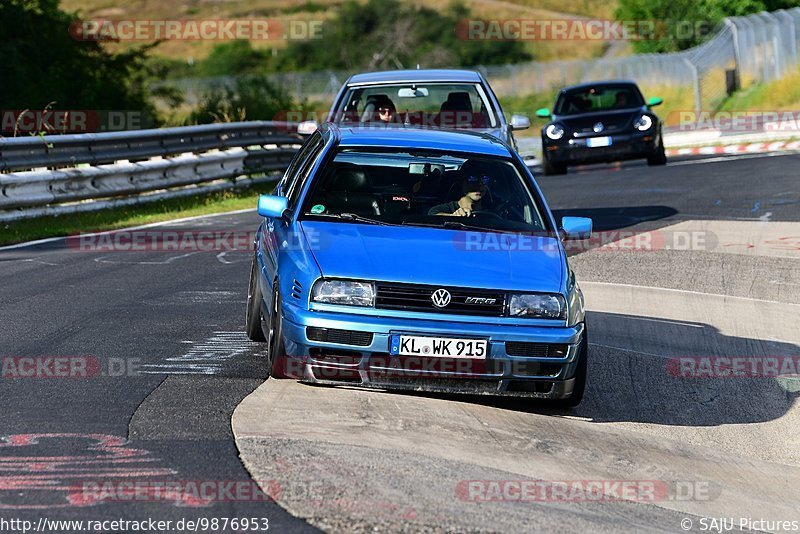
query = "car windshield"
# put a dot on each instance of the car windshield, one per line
(425, 189)
(600, 98)
(442, 105)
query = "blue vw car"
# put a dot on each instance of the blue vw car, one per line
(417, 259)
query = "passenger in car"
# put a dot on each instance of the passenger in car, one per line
(387, 112)
(379, 110)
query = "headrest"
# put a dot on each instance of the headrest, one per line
(349, 178)
(457, 101)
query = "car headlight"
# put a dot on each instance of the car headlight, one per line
(344, 292)
(643, 123)
(554, 132)
(538, 305)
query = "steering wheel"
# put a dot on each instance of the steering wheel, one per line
(507, 208)
(481, 213)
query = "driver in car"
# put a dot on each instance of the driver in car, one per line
(473, 189)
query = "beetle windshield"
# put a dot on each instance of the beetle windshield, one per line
(605, 97)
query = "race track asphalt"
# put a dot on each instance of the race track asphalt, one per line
(169, 326)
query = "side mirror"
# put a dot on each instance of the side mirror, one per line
(307, 127)
(543, 113)
(272, 206)
(576, 228)
(520, 122)
(654, 101)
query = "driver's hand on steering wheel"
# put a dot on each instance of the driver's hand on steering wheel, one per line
(462, 212)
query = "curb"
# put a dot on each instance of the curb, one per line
(749, 148)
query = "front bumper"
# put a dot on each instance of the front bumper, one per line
(575, 151)
(370, 365)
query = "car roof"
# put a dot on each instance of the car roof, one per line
(421, 139)
(412, 75)
(587, 85)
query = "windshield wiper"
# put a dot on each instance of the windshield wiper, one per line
(353, 217)
(456, 225)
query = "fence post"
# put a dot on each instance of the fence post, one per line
(777, 43)
(696, 82)
(792, 40)
(737, 53)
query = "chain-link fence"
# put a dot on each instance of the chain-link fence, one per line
(743, 51)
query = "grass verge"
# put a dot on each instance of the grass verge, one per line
(95, 221)
(778, 95)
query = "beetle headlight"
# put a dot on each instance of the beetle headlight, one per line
(643, 123)
(538, 305)
(344, 292)
(554, 132)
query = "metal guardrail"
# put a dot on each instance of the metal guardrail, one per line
(51, 173)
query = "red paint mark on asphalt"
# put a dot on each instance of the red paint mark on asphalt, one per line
(48, 466)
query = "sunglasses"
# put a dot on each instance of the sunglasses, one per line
(482, 180)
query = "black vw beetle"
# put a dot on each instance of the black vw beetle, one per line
(601, 122)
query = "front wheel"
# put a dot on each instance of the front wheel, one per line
(552, 169)
(580, 378)
(659, 155)
(277, 349)
(254, 315)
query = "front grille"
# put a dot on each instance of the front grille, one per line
(419, 383)
(418, 298)
(344, 337)
(606, 128)
(535, 350)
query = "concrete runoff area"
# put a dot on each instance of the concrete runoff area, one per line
(347, 458)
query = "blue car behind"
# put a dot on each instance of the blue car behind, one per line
(417, 259)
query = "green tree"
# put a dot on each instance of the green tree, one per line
(392, 34)
(233, 58)
(42, 62)
(248, 98)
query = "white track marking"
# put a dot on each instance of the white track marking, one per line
(102, 259)
(723, 158)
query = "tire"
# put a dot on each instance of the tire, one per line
(277, 349)
(659, 156)
(553, 169)
(580, 378)
(254, 315)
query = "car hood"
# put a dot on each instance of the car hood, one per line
(436, 256)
